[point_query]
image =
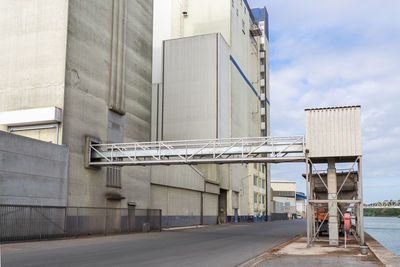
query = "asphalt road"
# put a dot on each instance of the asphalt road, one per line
(221, 245)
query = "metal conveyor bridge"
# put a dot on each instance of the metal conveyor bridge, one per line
(219, 151)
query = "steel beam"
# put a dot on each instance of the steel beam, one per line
(219, 151)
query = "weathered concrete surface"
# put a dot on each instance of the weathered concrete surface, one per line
(32, 64)
(97, 80)
(32, 172)
(222, 245)
(383, 254)
(296, 253)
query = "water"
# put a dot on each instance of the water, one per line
(386, 230)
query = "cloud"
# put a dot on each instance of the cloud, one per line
(335, 53)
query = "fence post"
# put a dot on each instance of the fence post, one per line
(160, 219)
(77, 222)
(105, 222)
(65, 221)
(128, 221)
(40, 225)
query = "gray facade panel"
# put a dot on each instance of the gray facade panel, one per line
(191, 81)
(29, 175)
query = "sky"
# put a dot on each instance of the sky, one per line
(330, 53)
(337, 53)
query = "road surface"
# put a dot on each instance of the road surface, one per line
(220, 245)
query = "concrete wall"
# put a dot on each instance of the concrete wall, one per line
(227, 18)
(196, 88)
(182, 207)
(32, 172)
(203, 17)
(108, 93)
(283, 186)
(33, 36)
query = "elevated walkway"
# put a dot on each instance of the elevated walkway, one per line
(210, 151)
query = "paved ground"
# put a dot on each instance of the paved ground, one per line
(222, 245)
(320, 253)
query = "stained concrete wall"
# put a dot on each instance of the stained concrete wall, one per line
(32, 172)
(32, 66)
(182, 207)
(92, 70)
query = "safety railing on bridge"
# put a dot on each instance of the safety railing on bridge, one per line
(231, 150)
(42, 222)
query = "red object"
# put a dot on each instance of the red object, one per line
(347, 222)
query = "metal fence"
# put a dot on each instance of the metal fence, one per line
(42, 222)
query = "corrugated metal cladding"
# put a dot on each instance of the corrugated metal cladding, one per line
(333, 132)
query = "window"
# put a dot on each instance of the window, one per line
(255, 198)
(233, 3)
(263, 183)
(241, 2)
(245, 10)
(113, 177)
(237, 12)
(263, 200)
(255, 180)
(243, 26)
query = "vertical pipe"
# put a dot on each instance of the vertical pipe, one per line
(361, 209)
(308, 204)
(312, 206)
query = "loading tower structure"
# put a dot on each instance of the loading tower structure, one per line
(333, 138)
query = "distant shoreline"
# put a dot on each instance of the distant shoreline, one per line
(382, 212)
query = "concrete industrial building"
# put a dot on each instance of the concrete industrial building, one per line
(301, 203)
(221, 65)
(284, 196)
(75, 69)
(83, 70)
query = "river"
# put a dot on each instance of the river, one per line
(386, 230)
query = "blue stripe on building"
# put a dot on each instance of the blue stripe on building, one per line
(246, 80)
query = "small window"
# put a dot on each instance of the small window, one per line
(245, 10)
(237, 12)
(255, 180)
(243, 26)
(255, 197)
(241, 2)
(233, 3)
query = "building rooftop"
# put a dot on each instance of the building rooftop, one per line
(356, 106)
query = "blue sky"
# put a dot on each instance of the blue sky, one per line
(336, 53)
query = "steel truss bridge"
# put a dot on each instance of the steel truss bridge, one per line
(208, 151)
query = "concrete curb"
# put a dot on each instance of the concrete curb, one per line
(387, 257)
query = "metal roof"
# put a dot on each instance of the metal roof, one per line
(356, 106)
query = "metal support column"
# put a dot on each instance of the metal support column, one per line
(360, 197)
(308, 209)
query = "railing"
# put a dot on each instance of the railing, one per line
(232, 150)
(40, 222)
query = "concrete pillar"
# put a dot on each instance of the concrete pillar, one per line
(333, 212)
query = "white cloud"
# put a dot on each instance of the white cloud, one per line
(335, 53)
